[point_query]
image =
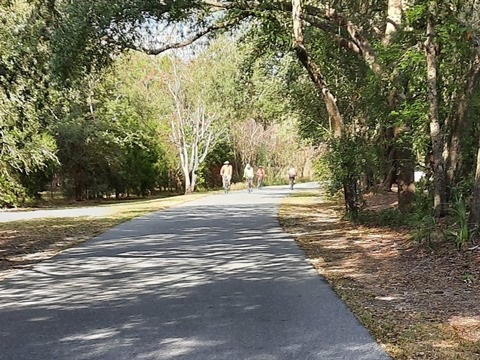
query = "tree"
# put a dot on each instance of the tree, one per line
(192, 129)
(25, 143)
(372, 83)
(440, 194)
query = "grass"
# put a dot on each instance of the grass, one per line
(26, 242)
(417, 303)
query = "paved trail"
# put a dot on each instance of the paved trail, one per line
(215, 278)
(8, 215)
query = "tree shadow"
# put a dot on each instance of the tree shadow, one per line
(395, 289)
(203, 281)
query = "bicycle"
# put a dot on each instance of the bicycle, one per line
(259, 182)
(226, 184)
(291, 182)
(249, 183)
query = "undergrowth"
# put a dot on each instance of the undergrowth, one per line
(423, 226)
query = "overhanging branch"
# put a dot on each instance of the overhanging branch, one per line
(201, 33)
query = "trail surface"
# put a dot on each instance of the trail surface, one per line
(215, 278)
(15, 215)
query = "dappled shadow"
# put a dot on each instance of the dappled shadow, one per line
(212, 279)
(25, 243)
(401, 293)
(326, 238)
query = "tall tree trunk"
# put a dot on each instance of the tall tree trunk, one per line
(350, 193)
(459, 123)
(406, 170)
(474, 217)
(186, 172)
(436, 134)
(400, 156)
(314, 71)
(394, 19)
(400, 159)
(390, 167)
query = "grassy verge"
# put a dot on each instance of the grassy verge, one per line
(25, 242)
(416, 303)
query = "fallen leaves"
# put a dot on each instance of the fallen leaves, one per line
(419, 303)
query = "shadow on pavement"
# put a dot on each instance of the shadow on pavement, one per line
(193, 282)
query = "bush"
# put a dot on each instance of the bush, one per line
(11, 192)
(458, 232)
(342, 168)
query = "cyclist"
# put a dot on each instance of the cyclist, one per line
(248, 175)
(292, 174)
(260, 176)
(226, 174)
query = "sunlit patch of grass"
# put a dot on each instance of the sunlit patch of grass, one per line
(305, 194)
(58, 200)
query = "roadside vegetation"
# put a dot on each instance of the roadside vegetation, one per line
(419, 300)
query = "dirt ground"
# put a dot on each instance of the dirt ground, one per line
(421, 302)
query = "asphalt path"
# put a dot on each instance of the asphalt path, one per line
(15, 215)
(215, 278)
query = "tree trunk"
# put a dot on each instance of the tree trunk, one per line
(459, 123)
(394, 19)
(390, 168)
(436, 133)
(314, 71)
(193, 181)
(185, 170)
(390, 177)
(474, 217)
(350, 193)
(406, 170)
(186, 175)
(400, 155)
(406, 183)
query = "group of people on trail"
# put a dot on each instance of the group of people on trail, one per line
(249, 173)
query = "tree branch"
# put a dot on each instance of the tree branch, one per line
(201, 33)
(326, 27)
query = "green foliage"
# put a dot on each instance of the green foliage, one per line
(26, 146)
(54, 85)
(421, 220)
(463, 188)
(459, 232)
(416, 15)
(425, 230)
(221, 152)
(24, 149)
(347, 160)
(36, 182)
(11, 192)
